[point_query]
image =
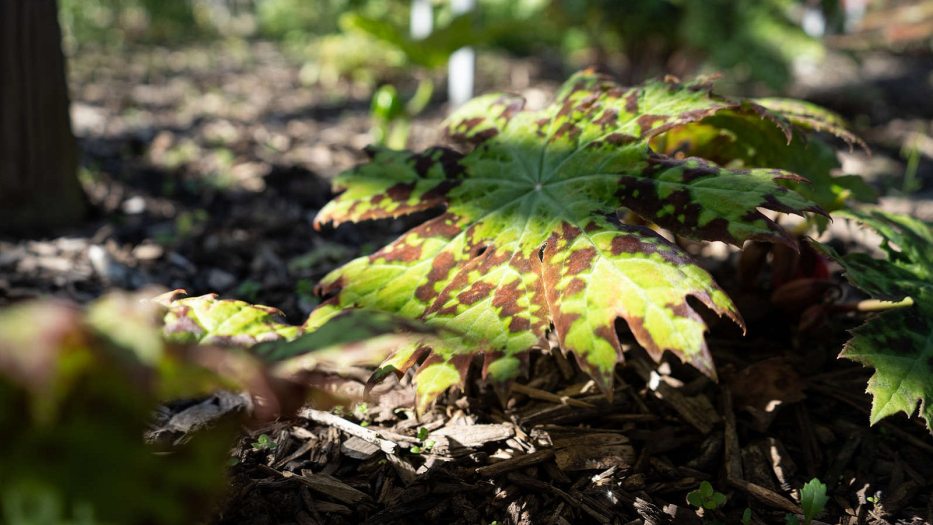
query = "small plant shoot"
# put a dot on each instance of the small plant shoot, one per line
(813, 500)
(705, 497)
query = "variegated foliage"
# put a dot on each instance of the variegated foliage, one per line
(77, 390)
(898, 343)
(348, 339)
(532, 234)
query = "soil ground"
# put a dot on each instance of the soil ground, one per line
(205, 166)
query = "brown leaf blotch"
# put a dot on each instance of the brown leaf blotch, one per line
(647, 122)
(631, 102)
(400, 192)
(506, 298)
(398, 252)
(440, 268)
(627, 244)
(519, 324)
(580, 260)
(608, 118)
(476, 292)
(574, 287)
(619, 139)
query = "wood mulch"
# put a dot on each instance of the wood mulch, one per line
(557, 451)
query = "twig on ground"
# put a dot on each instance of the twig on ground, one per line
(326, 418)
(544, 395)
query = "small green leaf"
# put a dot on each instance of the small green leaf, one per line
(717, 500)
(264, 442)
(695, 499)
(705, 497)
(813, 499)
(386, 104)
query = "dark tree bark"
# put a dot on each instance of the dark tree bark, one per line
(39, 189)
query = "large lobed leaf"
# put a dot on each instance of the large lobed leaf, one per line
(898, 344)
(529, 236)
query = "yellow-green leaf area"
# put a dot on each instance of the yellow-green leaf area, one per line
(207, 319)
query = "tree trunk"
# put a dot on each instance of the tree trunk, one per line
(39, 189)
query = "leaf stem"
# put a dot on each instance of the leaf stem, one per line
(875, 305)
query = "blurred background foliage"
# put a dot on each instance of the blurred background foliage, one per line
(753, 43)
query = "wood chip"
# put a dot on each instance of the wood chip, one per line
(731, 449)
(325, 507)
(577, 502)
(406, 472)
(305, 448)
(681, 515)
(844, 457)
(649, 512)
(472, 436)
(517, 462)
(333, 488)
(757, 466)
(200, 415)
(544, 395)
(358, 448)
(695, 410)
(594, 451)
(768, 497)
(782, 465)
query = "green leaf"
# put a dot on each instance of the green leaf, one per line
(695, 499)
(706, 497)
(813, 499)
(743, 140)
(530, 234)
(341, 334)
(718, 499)
(430, 52)
(898, 343)
(209, 320)
(812, 117)
(337, 342)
